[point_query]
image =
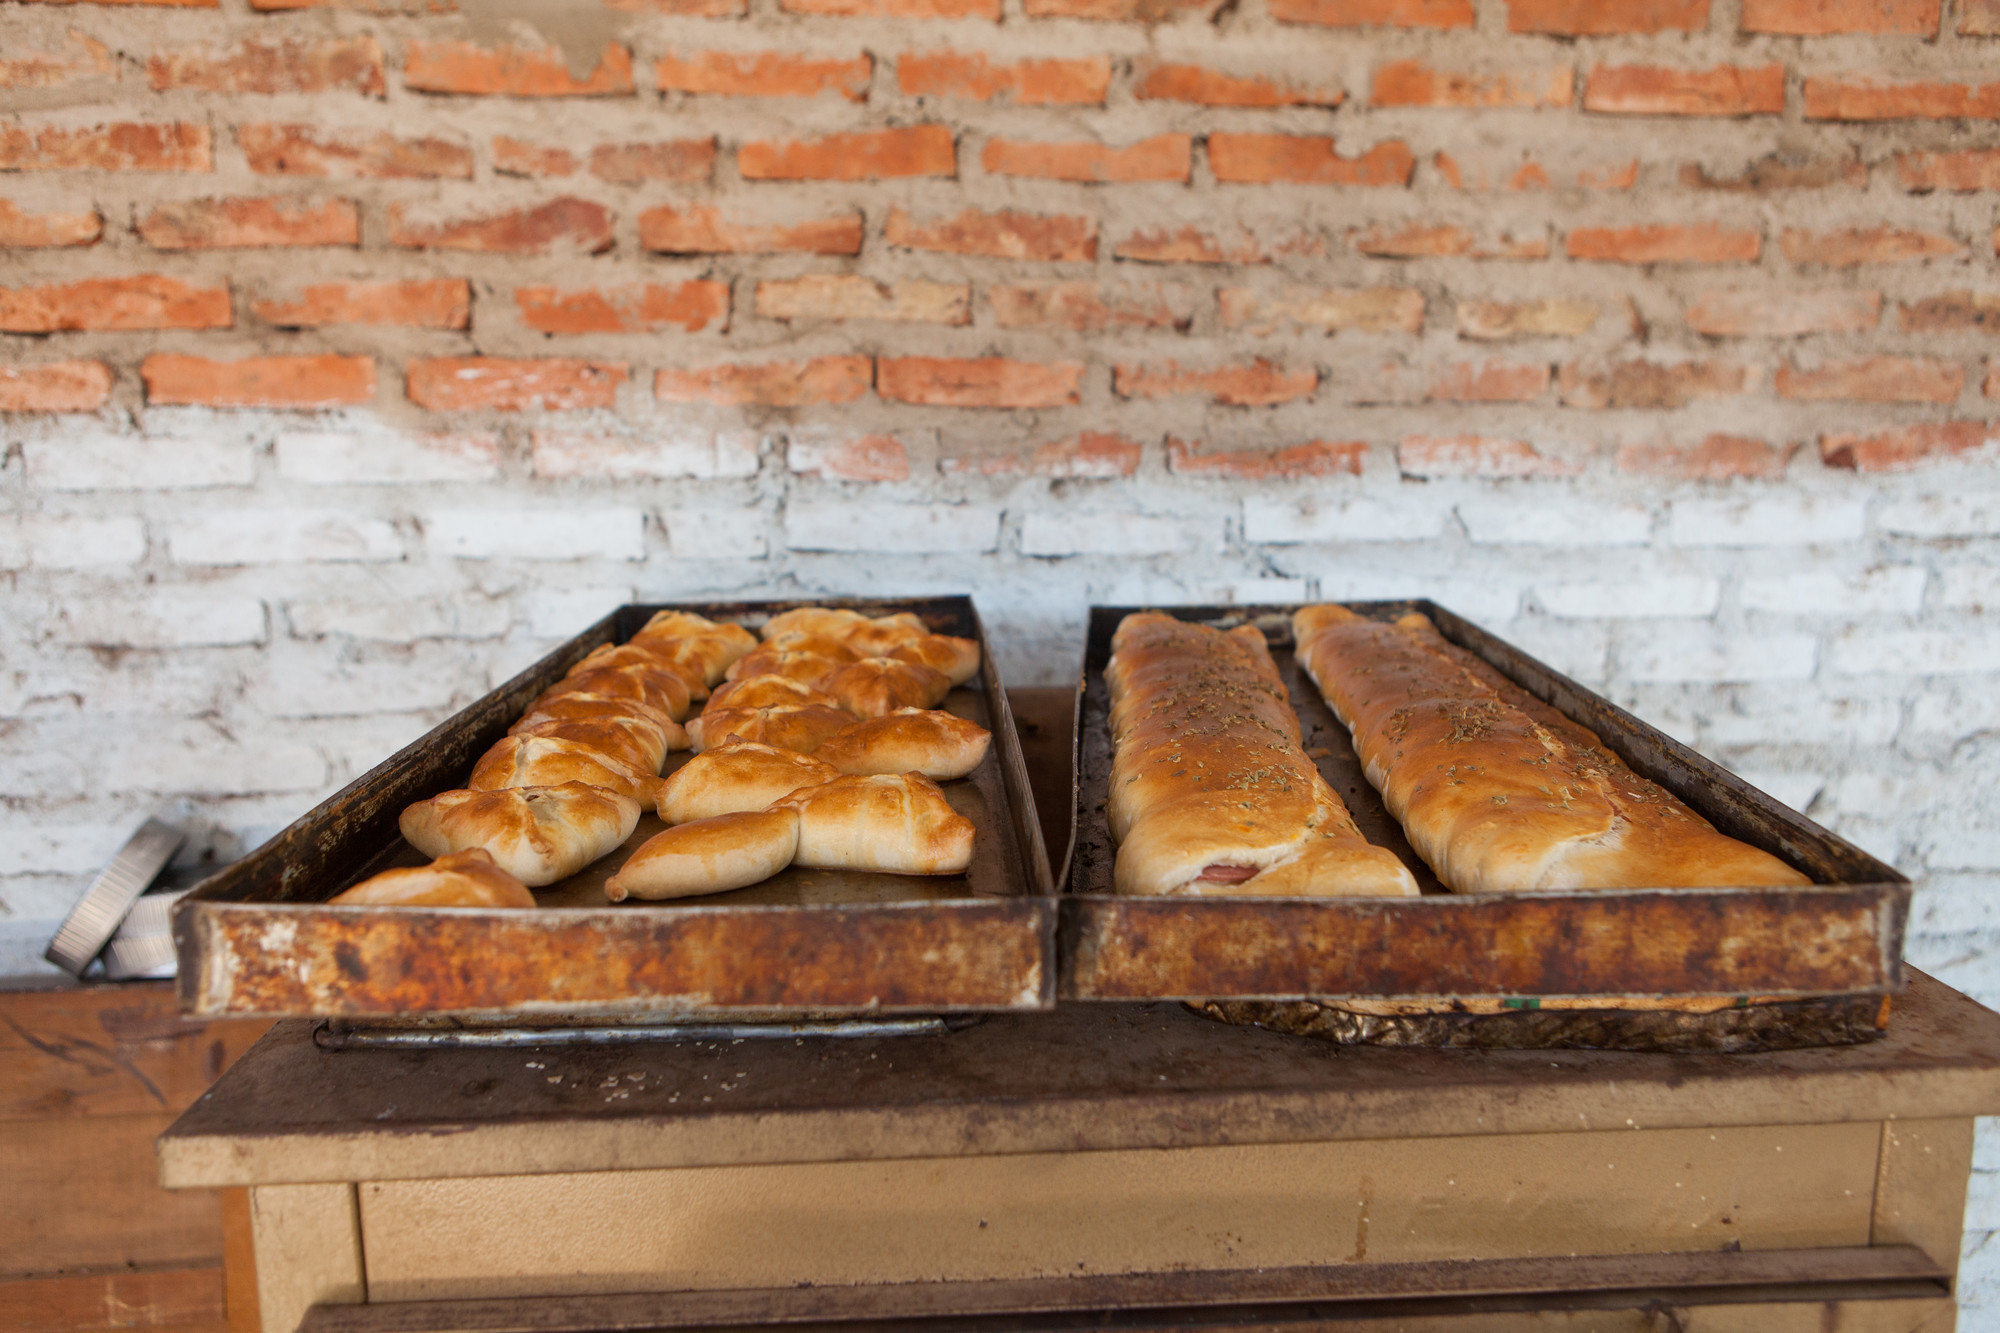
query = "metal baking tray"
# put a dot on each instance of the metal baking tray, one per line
(258, 938)
(1694, 950)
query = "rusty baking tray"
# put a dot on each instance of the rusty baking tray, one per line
(1408, 969)
(258, 938)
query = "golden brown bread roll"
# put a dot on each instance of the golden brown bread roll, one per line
(877, 637)
(788, 726)
(637, 745)
(834, 622)
(1211, 789)
(695, 643)
(909, 740)
(648, 657)
(900, 824)
(769, 691)
(876, 686)
(593, 707)
(536, 834)
(741, 775)
(708, 856)
(957, 658)
(805, 668)
(662, 689)
(461, 879)
(545, 761)
(820, 644)
(1495, 789)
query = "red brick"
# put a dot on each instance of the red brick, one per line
(124, 147)
(1972, 169)
(1651, 385)
(418, 303)
(511, 71)
(1192, 245)
(1594, 18)
(55, 386)
(303, 150)
(332, 65)
(640, 308)
(566, 225)
(1777, 171)
(1783, 314)
(504, 384)
(860, 458)
(1851, 246)
(699, 229)
(234, 224)
(1412, 240)
(972, 77)
(1655, 90)
(1979, 18)
(1262, 383)
(1951, 312)
(1509, 171)
(1875, 379)
(682, 161)
(1087, 307)
(1478, 456)
(1212, 87)
(1090, 455)
(920, 150)
(91, 59)
(898, 9)
(990, 381)
(824, 379)
(517, 157)
(763, 74)
(1992, 386)
(1120, 11)
(1374, 13)
(1050, 238)
(1491, 381)
(1909, 447)
(1414, 83)
(1316, 458)
(1817, 18)
(1165, 157)
(1257, 159)
(365, 6)
(1867, 97)
(1696, 243)
(39, 230)
(1716, 458)
(704, 9)
(148, 301)
(844, 296)
(1555, 317)
(1364, 309)
(259, 381)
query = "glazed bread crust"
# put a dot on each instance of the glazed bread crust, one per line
(742, 775)
(462, 879)
(716, 855)
(910, 740)
(549, 761)
(536, 834)
(899, 824)
(801, 727)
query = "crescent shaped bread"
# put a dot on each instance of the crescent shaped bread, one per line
(834, 622)
(1211, 788)
(664, 690)
(708, 856)
(805, 668)
(877, 686)
(1537, 801)
(647, 657)
(957, 658)
(789, 726)
(536, 834)
(462, 879)
(595, 707)
(546, 761)
(910, 740)
(877, 637)
(639, 746)
(822, 644)
(765, 692)
(718, 642)
(899, 824)
(742, 775)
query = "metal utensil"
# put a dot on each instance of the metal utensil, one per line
(96, 917)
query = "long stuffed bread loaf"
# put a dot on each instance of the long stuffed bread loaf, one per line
(1497, 791)
(1211, 789)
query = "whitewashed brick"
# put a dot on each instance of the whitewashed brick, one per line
(537, 534)
(892, 529)
(1886, 591)
(465, 616)
(45, 898)
(1982, 1200)
(137, 463)
(1475, 599)
(1787, 715)
(269, 536)
(1944, 903)
(1251, 591)
(162, 620)
(1952, 709)
(1523, 518)
(561, 613)
(560, 455)
(1872, 790)
(1964, 849)
(22, 942)
(190, 760)
(1692, 650)
(1064, 534)
(716, 532)
(1767, 520)
(386, 457)
(1646, 595)
(1916, 652)
(1942, 515)
(1974, 587)
(1270, 522)
(71, 541)
(44, 846)
(1796, 790)
(326, 679)
(13, 544)
(1985, 1157)
(1576, 648)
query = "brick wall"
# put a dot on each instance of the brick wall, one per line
(351, 354)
